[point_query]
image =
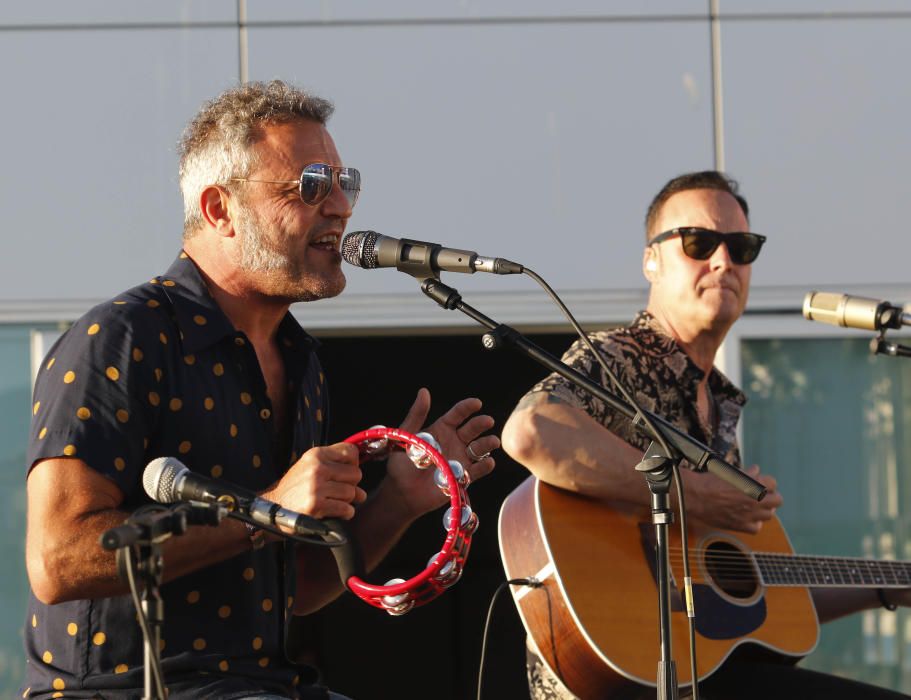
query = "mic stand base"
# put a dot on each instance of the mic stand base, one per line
(658, 471)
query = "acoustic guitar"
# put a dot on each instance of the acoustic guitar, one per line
(594, 619)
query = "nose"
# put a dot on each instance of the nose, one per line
(336, 204)
(721, 258)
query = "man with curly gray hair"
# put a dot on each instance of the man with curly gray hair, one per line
(206, 364)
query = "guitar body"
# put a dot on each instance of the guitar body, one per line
(595, 618)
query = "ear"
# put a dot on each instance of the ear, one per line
(213, 202)
(650, 263)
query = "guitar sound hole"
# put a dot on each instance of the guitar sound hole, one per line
(730, 569)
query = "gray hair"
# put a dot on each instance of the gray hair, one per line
(216, 145)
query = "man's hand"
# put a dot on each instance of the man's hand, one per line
(456, 430)
(717, 503)
(323, 483)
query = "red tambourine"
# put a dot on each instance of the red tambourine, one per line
(398, 596)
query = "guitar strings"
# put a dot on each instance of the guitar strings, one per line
(740, 566)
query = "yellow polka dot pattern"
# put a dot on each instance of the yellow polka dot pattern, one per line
(42, 433)
(224, 401)
(59, 684)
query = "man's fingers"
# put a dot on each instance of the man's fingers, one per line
(475, 426)
(417, 414)
(461, 411)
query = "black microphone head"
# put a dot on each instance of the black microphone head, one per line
(359, 249)
(160, 479)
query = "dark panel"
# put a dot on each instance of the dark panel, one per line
(432, 651)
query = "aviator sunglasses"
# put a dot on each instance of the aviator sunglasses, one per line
(316, 182)
(701, 243)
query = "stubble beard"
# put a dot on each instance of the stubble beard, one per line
(280, 274)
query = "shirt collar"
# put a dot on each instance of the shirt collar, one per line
(201, 321)
(662, 345)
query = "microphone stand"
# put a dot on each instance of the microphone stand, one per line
(137, 544)
(656, 465)
(881, 346)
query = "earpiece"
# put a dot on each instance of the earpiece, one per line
(651, 265)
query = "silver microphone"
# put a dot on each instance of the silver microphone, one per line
(168, 480)
(369, 249)
(853, 312)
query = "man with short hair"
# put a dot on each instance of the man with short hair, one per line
(698, 261)
(205, 363)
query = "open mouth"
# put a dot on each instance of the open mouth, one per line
(329, 242)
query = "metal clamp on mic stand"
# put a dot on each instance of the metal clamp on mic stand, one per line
(656, 466)
(137, 544)
(881, 346)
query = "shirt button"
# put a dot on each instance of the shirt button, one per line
(265, 413)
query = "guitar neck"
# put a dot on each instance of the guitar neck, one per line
(818, 571)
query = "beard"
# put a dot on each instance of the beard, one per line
(279, 272)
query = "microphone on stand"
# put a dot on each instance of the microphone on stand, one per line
(168, 480)
(853, 312)
(369, 249)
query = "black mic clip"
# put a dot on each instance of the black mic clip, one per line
(154, 524)
(880, 346)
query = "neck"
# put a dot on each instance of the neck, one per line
(249, 311)
(699, 343)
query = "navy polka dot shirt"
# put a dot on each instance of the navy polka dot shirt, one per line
(161, 371)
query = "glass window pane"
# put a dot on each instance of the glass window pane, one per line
(832, 423)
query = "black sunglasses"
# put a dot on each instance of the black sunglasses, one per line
(316, 182)
(701, 243)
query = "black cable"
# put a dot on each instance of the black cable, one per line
(532, 583)
(659, 438)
